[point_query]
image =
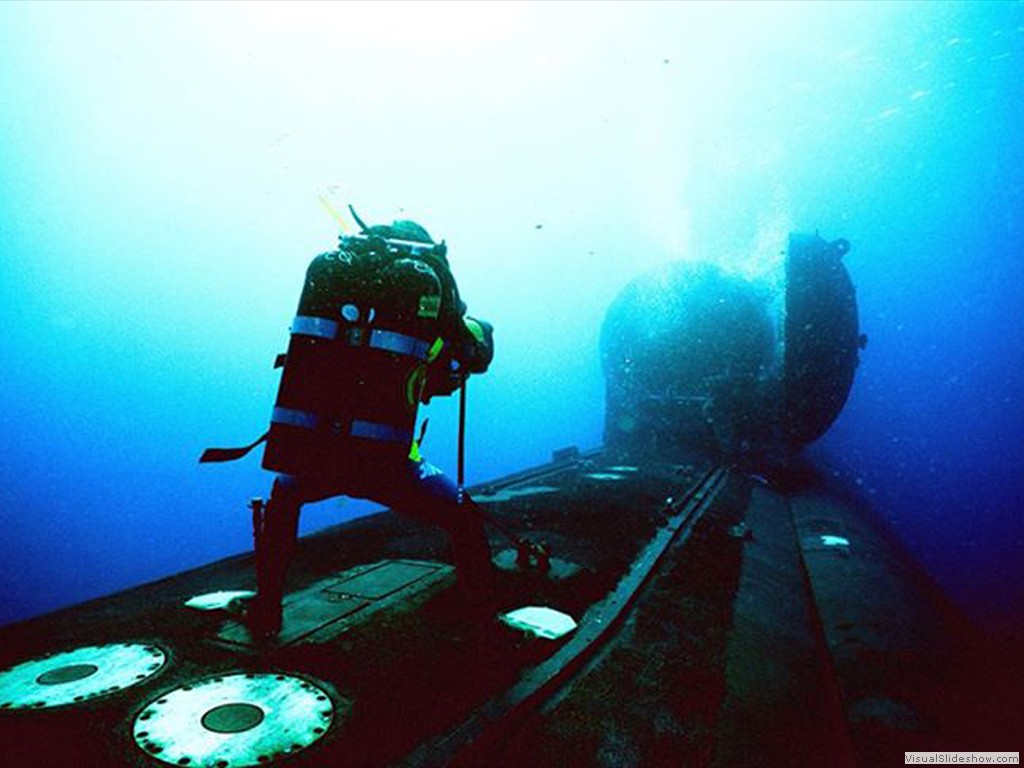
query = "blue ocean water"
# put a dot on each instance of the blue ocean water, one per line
(160, 165)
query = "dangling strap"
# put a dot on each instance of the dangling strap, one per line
(211, 455)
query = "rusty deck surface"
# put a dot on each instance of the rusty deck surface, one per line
(753, 639)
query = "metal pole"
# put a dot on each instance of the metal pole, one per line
(462, 438)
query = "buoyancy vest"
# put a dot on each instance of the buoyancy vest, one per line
(366, 329)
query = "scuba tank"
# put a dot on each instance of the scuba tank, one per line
(366, 329)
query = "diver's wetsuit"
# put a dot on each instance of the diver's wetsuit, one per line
(417, 489)
(380, 369)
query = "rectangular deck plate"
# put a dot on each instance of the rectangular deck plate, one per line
(329, 607)
(384, 579)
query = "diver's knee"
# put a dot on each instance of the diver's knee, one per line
(286, 488)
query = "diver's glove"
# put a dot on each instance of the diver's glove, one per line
(478, 347)
(443, 377)
(471, 354)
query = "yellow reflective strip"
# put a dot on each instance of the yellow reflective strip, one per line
(435, 349)
(414, 386)
(475, 328)
(334, 214)
(414, 451)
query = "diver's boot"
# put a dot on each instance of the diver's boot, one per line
(262, 617)
(474, 572)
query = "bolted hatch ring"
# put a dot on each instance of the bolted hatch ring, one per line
(72, 677)
(233, 721)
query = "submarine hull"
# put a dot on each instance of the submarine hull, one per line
(769, 625)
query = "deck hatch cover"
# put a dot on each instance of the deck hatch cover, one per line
(540, 621)
(74, 676)
(235, 720)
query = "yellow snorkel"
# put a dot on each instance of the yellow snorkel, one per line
(342, 224)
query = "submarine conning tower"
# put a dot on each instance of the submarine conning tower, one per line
(748, 369)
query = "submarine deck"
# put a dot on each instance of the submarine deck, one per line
(721, 622)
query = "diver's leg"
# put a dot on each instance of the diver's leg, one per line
(275, 545)
(424, 493)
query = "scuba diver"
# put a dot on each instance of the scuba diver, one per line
(380, 328)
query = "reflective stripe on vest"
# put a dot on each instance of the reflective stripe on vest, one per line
(321, 327)
(388, 341)
(293, 418)
(399, 343)
(384, 432)
(368, 430)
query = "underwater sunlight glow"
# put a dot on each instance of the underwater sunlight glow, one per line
(162, 168)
